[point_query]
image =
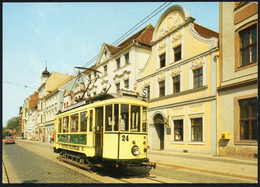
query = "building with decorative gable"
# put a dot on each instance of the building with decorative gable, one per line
(180, 79)
(120, 65)
(237, 81)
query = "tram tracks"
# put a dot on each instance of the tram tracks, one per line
(123, 175)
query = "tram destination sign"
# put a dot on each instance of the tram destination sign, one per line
(74, 106)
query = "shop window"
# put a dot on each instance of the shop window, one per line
(177, 53)
(176, 84)
(178, 130)
(124, 117)
(198, 77)
(135, 118)
(161, 88)
(162, 60)
(66, 124)
(248, 119)
(83, 121)
(196, 129)
(108, 118)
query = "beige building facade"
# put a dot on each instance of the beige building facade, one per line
(180, 81)
(237, 79)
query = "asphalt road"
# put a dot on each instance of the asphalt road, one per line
(36, 163)
(24, 166)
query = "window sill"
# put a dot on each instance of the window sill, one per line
(238, 68)
(247, 142)
(178, 142)
(196, 143)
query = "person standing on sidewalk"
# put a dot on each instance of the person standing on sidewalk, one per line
(43, 137)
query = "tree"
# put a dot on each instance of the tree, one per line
(13, 123)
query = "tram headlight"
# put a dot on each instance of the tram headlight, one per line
(135, 150)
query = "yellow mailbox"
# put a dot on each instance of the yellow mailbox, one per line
(225, 135)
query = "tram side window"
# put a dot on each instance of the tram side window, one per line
(116, 116)
(59, 125)
(124, 117)
(74, 123)
(135, 118)
(99, 118)
(83, 121)
(144, 119)
(90, 120)
(108, 117)
(66, 124)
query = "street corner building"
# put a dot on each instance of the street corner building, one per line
(237, 85)
(180, 79)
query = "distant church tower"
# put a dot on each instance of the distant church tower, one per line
(45, 75)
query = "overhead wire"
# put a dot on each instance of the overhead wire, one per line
(20, 85)
(123, 37)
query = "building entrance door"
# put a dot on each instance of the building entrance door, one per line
(159, 127)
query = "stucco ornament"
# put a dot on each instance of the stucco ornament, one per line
(162, 44)
(176, 71)
(147, 82)
(197, 62)
(122, 75)
(161, 76)
(176, 36)
(170, 22)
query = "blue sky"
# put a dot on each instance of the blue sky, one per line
(66, 35)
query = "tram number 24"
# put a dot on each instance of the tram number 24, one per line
(125, 138)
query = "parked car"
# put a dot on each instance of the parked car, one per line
(9, 139)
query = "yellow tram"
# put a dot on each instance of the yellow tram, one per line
(109, 129)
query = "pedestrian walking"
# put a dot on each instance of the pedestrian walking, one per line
(43, 137)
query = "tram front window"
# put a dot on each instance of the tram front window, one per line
(116, 116)
(124, 117)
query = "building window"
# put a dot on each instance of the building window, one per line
(248, 45)
(118, 63)
(127, 84)
(177, 53)
(105, 69)
(161, 88)
(118, 86)
(198, 77)
(127, 58)
(148, 92)
(162, 60)
(178, 130)
(196, 129)
(248, 119)
(176, 84)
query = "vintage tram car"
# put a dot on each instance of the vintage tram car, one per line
(109, 130)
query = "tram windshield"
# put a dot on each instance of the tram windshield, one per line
(125, 118)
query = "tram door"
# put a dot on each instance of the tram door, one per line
(99, 131)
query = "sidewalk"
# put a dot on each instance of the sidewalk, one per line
(242, 168)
